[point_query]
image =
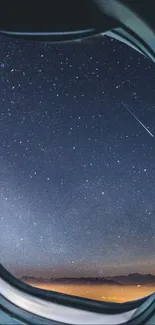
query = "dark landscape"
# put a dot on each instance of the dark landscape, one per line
(131, 279)
(115, 289)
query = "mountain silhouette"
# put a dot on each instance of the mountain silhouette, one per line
(82, 280)
(135, 279)
(89, 281)
(130, 279)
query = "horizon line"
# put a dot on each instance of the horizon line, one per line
(86, 277)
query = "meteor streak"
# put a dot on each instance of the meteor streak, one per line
(138, 120)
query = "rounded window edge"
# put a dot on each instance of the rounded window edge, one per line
(68, 300)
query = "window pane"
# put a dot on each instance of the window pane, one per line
(77, 167)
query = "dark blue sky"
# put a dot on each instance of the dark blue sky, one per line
(76, 168)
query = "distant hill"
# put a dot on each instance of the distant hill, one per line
(135, 279)
(131, 279)
(90, 281)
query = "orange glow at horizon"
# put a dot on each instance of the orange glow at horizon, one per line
(110, 293)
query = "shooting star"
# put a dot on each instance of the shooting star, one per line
(138, 120)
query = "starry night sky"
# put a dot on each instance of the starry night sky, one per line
(77, 170)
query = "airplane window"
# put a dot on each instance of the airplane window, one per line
(77, 167)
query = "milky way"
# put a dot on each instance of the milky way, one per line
(76, 169)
